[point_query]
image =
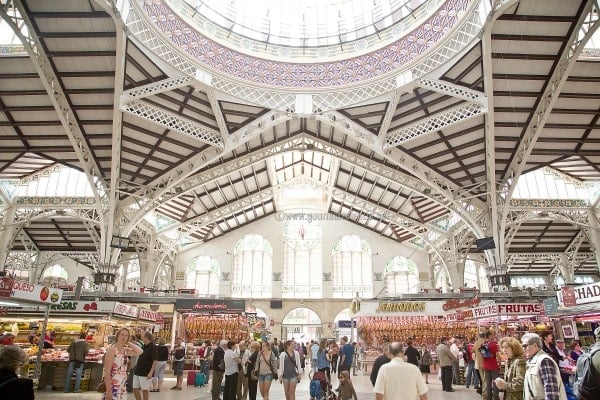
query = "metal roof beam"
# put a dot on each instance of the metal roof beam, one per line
(24, 28)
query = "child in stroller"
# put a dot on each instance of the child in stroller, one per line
(320, 388)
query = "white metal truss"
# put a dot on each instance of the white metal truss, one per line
(173, 121)
(23, 27)
(177, 182)
(56, 202)
(451, 89)
(150, 89)
(425, 181)
(588, 23)
(199, 222)
(433, 123)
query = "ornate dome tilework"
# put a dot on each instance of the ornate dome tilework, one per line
(305, 75)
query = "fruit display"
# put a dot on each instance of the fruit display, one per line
(215, 326)
(420, 329)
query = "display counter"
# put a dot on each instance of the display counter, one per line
(53, 376)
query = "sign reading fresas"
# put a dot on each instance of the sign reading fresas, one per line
(210, 305)
(80, 306)
(584, 294)
(23, 290)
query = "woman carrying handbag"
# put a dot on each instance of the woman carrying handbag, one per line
(289, 370)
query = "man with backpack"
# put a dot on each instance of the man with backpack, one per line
(77, 351)
(587, 385)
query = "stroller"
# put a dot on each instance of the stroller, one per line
(320, 388)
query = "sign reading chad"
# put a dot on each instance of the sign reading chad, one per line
(23, 290)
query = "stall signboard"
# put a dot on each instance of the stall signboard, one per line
(23, 290)
(210, 305)
(126, 310)
(504, 309)
(520, 308)
(83, 307)
(584, 294)
(403, 308)
(149, 315)
(6, 285)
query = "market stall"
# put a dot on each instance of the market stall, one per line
(578, 312)
(214, 319)
(16, 295)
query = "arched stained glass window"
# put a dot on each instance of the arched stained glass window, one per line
(55, 276)
(302, 261)
(401, 276)
(202, 273)
(252, 268)
(352, 268)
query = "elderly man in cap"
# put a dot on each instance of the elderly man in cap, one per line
(542, 378)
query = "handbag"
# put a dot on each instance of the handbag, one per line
(101, 387)
(273, 371)
(254, 375)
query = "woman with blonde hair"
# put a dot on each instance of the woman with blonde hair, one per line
(514, 374)
(115, 365)
(266, 365)
(289, 370)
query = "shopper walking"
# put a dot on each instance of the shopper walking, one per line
(267, 369)
(542, 376)
(289, 370)
(379, 361)
(161, 365)
(472, 376)
(446, 359)
(399, 380)
(412, 354)
(178, 361)
(242, 381)
(491, 367)
(116, 360)
(12, 359)
(218, 368)
(425, 362)
(251, 372)
(323, 363)
(514, 374)
(144, 369)
(77, 350)
(232, 371)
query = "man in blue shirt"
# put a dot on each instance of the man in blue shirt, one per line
(346, 355)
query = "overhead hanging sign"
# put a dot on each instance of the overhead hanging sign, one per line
(83, 307)
(149, 315)
(210, 305)
(584, 294)
(23, 290)
(126, 310)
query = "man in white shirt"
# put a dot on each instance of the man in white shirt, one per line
(242, 384)
(398, 380)
(314, 351)
(232, 371)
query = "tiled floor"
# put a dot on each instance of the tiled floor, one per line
(361, 384)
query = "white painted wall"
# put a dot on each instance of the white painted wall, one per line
(221, 249)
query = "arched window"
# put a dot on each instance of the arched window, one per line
(302, 261)
(441, 278)
(202, 274)
(484, 283)
(352, 268)
(471, 277)
(132, 273)
(527, 281)
(252, 268)
(163, 276)
(401, 276)
(55, 276)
